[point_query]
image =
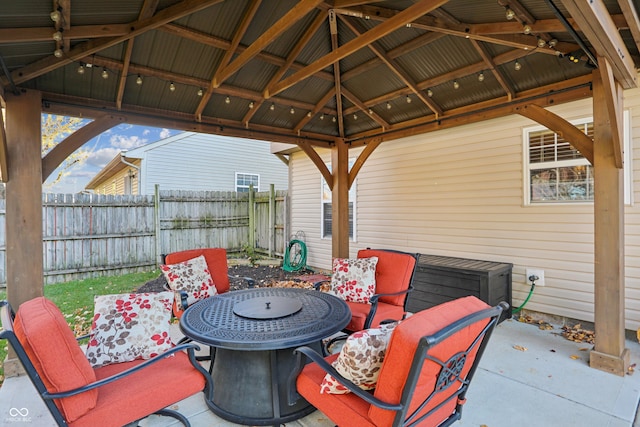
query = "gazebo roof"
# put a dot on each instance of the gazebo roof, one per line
(313, 71)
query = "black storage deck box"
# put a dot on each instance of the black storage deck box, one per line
(439, 279)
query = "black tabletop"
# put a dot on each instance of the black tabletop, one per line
(214, 321)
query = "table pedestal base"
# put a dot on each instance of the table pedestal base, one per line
(250, 387)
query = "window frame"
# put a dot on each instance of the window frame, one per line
(237, 186)
(627, 160)
(326, 201)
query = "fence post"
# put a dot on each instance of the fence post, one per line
(272, 219)
(156, 220)
(252, 218)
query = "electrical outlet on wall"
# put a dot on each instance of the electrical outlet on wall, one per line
(534, 272)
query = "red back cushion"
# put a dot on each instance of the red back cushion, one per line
(49, 342)
(393, 273)
(216, 261)
(402, 347)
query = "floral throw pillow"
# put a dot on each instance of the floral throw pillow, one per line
(191, 276)
(127, 327)
(354, 279)
(360, 359)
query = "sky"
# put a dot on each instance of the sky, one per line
(102, 149)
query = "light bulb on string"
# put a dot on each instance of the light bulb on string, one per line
(429, 93)
(139, 80)
(58, 53)
(57, 36)
(81, 69)
(227, 100)
(517, 66)
(200, 92)
(105, 74)
(510, 14)
(481, 77)
(408, 99)
(251, 105)
(456, 85)
(272, 106)
(388, 105)
(172, 87)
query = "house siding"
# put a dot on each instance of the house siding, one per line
(115, 183)
(196, 162)
(459, 192)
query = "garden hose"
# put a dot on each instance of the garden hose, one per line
(515, 310)
(295, 256)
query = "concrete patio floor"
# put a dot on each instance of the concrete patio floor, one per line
(540, 384)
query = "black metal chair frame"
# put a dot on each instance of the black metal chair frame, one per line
(450, 372)
(6, 317)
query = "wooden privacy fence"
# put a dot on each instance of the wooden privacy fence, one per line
(89, 235)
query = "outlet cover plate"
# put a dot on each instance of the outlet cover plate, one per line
(534, 272)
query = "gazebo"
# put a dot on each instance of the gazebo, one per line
(335, 74)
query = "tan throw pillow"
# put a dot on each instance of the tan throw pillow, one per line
(354, 279)
(191, 276)
(128, 327)
(360, 359)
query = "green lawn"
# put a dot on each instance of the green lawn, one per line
(75, 300)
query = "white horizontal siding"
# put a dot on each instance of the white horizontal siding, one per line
(459, 192)
(210, 162)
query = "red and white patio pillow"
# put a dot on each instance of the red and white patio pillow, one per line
(127, 327)
(191, 276)
(360, 359)
(354, 279)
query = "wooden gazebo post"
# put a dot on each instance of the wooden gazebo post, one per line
(340, 200)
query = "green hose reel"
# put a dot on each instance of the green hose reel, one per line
(295, 256)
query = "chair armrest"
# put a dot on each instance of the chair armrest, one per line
(250, 281)
(190, 347)
(301, 352)
(374, 298)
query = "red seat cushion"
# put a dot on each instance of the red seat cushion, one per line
(359, 312)
(145, 392)
(216, 261)
(50, 345)
(393, 273)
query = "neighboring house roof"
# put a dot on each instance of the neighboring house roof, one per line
(111, 169)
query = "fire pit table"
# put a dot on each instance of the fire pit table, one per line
(254, 332)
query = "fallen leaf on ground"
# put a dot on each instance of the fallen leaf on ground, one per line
(583, 349)
(520, 348)
(574, 357)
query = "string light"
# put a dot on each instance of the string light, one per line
(139, 80)
(481, 77)
(172, 87)
(272, 106)
(58, 53)
(105, 74)
(370, 111)
(510, 14)
(541, 42)
(429, 93)
(527, 29)
(553, 43)
(251, 105)
(456, 85)
(333, 119)
(388, 105)
(322, 116)
(200, 92)
(309, 114)
(57, 36)
(408, 99)
(81, 69)
(355, 116)
(227, 100)
(55, 15)
(292, 111)
(517, 66)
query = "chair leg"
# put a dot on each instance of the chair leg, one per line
(174, 414)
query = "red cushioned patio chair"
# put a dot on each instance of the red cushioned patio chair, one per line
(394, 275)
(77, 394)
(429, 363)
(216, 259)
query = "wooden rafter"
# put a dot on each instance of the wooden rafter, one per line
(633, 22)
(333, 30)
(240, 31)
(64, 148)
(319, 105)
(384, 28)
(396, 69)
(359, 104)
(4, 174)
(486, 57)
(598, 27)
(294, 15)
(50, 63)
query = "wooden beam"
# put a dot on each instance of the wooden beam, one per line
(598, 27)
(122, 82)
(578, 139)
(633, 22)
(317, 160)
(609, 353)
(333, 29)
(50, 63)
(613, 102)
(294, 15)
(44, 34)
(369, 148)
(64, 148)
(4, 172)
(383, 29)
(488, 60)
(240, 31)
